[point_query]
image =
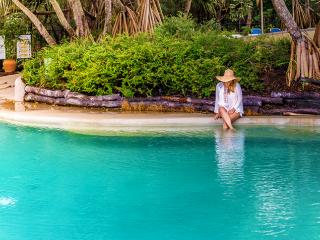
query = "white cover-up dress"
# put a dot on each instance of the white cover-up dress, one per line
(228, 100)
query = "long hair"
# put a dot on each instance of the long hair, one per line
(232, 85)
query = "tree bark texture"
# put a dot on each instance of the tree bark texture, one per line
(79, 16)
(108, 14)
(249, 17)
(68, 94)
(64, 22)
(31, 97)
(316, 37)
(287, 19)
(305, 55)
(187, 6)
(40, 27)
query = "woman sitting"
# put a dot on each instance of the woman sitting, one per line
(228, 103)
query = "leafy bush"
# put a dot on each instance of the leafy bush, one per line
(11, 26)
(170, 62)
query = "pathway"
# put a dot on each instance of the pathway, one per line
(7, 87)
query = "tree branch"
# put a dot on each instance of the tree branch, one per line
(40, 27)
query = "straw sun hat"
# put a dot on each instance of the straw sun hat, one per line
(228, 76)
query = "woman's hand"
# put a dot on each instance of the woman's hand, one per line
(231, 111)
(217, 116)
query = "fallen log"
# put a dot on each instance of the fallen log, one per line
(112, 97)
(272, 100)
(172, 99)
(68, 94)
(141, 99)
(297, 95)
(46, 92)
(93, 103)
(72, 101)
(163, 105)
(31, 97)
(303, 103)
(252, 101)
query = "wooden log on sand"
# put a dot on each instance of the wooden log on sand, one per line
(168, 105)
(172, 99)
(93, 103)
(113, 97)
(46, 92)
(31, 97)
(72, 101)
(68, 94)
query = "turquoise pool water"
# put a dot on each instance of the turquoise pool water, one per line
(258, 183)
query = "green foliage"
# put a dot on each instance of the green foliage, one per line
(11, 26)
(170, 62)
(239, 9)
(179, 27)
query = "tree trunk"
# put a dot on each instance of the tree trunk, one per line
(249, 18)
(40, 27)
(108, 14)
(287, 19)
(305, 55)
(307, 11)
(79, 16)
(262, 16)
(64, 22)
(316, 37)
(187, 6)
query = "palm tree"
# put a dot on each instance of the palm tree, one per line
(6, 7)
(305, 54)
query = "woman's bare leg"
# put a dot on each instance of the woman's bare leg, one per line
(234, 116)
(226, 118)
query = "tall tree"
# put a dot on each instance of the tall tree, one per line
(64, 22)
(108, 14)
(260, 4)
(305, 55)
(79, 16)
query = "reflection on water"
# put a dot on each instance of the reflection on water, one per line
(230, 155)
(274, 205)
(7, 201)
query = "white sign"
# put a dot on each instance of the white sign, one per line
(2, 48)
(24, 46)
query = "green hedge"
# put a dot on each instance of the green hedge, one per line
(166, 63)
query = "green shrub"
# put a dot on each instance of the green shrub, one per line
(170, 62)
(179, 26)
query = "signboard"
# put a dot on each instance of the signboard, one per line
(2, 48)
(24, 46)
